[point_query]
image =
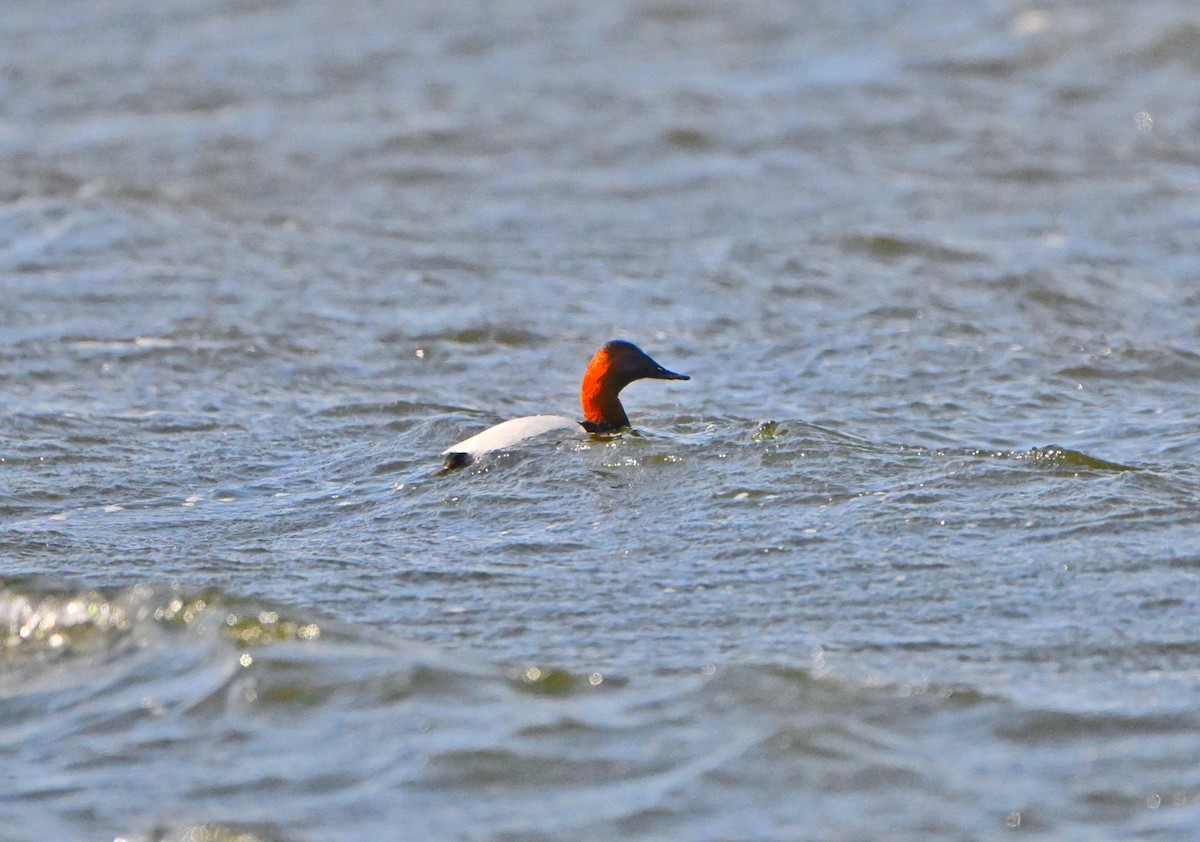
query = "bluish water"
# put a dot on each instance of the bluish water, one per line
(913, 555)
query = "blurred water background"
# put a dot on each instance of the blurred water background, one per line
(913, 556)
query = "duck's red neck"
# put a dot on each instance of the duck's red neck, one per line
(602, 410)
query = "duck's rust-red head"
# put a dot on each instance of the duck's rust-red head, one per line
(612, 368)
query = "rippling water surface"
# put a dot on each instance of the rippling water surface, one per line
(914, 555)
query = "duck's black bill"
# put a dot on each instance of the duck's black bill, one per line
(663, 374)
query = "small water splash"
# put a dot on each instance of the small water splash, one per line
(35, 621)
(768, 431)
(890, 247)
(1064, 457)
(541, 681)
(206, 833)
(56, 622)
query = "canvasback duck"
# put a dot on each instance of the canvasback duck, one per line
(612, 368)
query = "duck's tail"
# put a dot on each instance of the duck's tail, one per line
(456, 460)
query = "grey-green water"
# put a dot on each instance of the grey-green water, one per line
(914, 554)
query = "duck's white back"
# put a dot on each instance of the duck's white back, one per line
(511, 433)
